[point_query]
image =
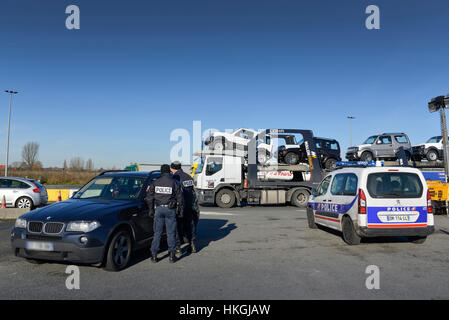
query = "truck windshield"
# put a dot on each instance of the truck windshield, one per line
(370, 140)
(394, 185)
(112, 188)
(434, 139)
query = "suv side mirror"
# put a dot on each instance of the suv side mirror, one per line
(314, 192)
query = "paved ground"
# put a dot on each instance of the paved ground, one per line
(251, 253)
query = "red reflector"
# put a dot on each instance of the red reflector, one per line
(429, 203)
(362, 202)
(393, 170)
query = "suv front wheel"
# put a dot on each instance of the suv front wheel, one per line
(367, 156)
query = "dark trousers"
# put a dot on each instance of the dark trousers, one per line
(189, 225)
(164, 216)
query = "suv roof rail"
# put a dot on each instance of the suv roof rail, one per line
(110, 171)
(394, 133)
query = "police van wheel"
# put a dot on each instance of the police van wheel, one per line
(119, 251)
(418, 240)
(225, 198)
(349, 234)
(300, 198)
(311, 218)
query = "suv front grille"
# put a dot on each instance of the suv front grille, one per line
(35, 227)
(53, 227)
(48, 228)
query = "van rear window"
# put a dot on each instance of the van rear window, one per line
(391, 185)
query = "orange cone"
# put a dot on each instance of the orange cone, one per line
(59, 196)
(3, 202)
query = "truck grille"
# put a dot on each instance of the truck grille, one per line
(53, 227)
(35, 227)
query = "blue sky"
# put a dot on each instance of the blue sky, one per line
(136, 70)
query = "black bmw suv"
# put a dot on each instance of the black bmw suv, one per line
(101, 224)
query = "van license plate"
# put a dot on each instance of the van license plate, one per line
(398, 218)
(39, 246)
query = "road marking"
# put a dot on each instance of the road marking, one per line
(210, 213)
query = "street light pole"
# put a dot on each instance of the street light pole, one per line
(9, 126)
(350, 129)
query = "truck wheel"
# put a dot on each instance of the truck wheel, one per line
(300, 198)
(330, 163)
(418, 240)
(119, 251)
(291, 158)
(432, 155)
(225, 198)
(349, 234)
(311, 218)
(367, 156)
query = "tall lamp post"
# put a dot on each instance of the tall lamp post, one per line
(350, 129)
(9, 123)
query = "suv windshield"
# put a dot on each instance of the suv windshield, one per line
(434, 139)
(394, 185)
(370, 140)
(109, 188)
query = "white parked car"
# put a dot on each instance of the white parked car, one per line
(22, 193)
(373, 201)
(239, 140)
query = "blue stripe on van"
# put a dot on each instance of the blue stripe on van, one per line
(332, 207)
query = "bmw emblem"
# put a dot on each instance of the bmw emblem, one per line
(48, 218)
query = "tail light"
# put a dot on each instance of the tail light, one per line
(362, 202)
(36, 190)
(429, 203)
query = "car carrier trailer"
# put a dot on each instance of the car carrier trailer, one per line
(233, 177)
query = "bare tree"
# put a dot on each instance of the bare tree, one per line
(29, 154)
(89, 165)
(64, 166)
(77, 163)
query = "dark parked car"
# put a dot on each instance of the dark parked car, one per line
(101, 224)
(294, 152)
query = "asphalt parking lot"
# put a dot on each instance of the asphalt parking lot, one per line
(250, 253)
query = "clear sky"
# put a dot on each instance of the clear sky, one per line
(136, 70)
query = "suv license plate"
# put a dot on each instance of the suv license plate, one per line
(39, 246)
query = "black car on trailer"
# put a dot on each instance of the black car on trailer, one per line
(101, 224)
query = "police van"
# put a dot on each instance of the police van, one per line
(369, 200)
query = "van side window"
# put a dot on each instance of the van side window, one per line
(338, 184)
(350, 188)
(322, 189)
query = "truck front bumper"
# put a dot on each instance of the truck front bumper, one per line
(206, 196)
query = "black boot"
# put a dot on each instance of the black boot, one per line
(172, 258)
(154, 258)
(178, 249)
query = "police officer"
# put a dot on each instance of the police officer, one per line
(190, 217)
(163, 196)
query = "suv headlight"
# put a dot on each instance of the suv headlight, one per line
(82, 226)
(20, 223)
